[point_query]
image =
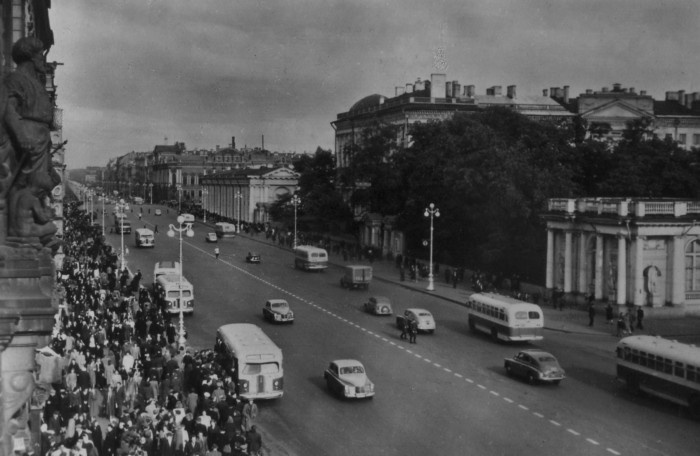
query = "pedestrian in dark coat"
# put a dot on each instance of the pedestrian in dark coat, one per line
(640, 317)
(591, 314)
(413, 331)
(254, 441)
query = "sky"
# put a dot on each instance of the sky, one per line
(135, 72)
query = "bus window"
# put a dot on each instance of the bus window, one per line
(679, 371)
(642, 359)
(635, 356)
(692, 375)
(533, 315)
(522, 315)
(668, 366)
(266, 368)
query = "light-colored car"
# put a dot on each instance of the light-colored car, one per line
(159, 212)
(278, 311)
(253, 257)
(211, 237)
(424, 319)
(535, 366)
(378, 305)
(187, 218)
(347, 378)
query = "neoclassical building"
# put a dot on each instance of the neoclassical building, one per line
(248, 192)
(641, 252)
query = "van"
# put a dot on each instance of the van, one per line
(144, 238)
(310, 258)
(169, 288)
(224, 229)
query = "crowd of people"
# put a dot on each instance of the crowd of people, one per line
(116, 381)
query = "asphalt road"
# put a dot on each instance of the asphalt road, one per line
(446, 395)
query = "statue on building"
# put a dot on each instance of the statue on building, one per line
(28, 117)
(651, 276)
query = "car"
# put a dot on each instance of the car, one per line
(211, 237)
(252, 257)
(187, 218)
(535, 366)
(159, 212)
(378, 305)
(278, 311)
(425, 320)
(347, 378)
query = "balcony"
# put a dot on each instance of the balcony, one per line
(625, 207)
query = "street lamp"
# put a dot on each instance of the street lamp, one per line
(431, 211)
(295, 201)
(187, 229)
(91, 194)
(150, 187)
(179, 198)
(103, 213)
(121, 213)
(238, 197)
(205, 192)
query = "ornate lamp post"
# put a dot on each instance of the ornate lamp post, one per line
(121, 213)
(91, 194)
(205, 193)
(295, 202)
(187, 229)
(103, 213)
(150, 187)
(431, 211)
(238, 197)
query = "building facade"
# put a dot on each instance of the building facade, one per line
(631, 252)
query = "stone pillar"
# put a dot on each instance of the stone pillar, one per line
(582, 283)
(549, 284)
(678, 272)
(621, 270)
(638, 270)
(567, 261)
(599, 248)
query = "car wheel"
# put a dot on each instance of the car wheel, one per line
(509, 370)
(431, 331)
(531, 378)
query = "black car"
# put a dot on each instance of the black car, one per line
(252, 257)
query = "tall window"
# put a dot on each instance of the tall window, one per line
(692, 266)
(682, 138)
(696, 139)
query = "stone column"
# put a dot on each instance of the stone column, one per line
(599, 248)
(567, 261)
(549, 284)
(621, 270)
(678, 272)
(638, 270)
(582, 283)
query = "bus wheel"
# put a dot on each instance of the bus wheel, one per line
(494, 334)
(694, 407)
(509, 371)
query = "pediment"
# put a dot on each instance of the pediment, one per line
(616, 110)
(281, 173)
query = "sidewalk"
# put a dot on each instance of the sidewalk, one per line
(569, 320)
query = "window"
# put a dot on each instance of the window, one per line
(682, 138)
(669, 136)
(679, 371)
(692, 266)
(696, 139)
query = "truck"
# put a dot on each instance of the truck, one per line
(356, 276)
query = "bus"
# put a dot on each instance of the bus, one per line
(144, 238)
(661, 367)
(223, 229)
(309, 258)
(165, 267)
(254, 359)
(505, 318)
(169, 288)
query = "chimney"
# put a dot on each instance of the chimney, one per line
(604, 90)
(681, 96)
(631, 90)
(233, 142)
(643, 93)
(409, 88)
(497, 90)
(217, 147)
(616, 87)
(566, 94)
(589, 91)
(470, 91)
(511, 91)
(553, 92)
(437, 85)
(419, 85)
(670, 95)
(688, 102)
(400, 90)
(448, 89)
(624, 90)
(545, 92)
(455, 89)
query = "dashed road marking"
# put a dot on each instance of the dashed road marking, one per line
(555, 423)
(592, 441)
(538, 415)
(571, 431)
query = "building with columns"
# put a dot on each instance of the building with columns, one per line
(631, 252)
(246, 194)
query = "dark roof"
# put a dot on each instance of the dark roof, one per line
(671, 108)
(370, 101)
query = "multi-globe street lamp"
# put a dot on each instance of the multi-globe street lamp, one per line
(179, 198)
(121, 213)
(296, 201)
(205, 193)
(187, 229)
(431, 211)
(150, 188)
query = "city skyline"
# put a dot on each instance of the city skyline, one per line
(137, 72)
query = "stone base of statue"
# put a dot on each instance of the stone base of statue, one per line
(27, 312)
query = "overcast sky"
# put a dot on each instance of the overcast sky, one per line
(136, 71)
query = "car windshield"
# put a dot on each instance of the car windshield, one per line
(547, 359)
(279, 305)
(424, 314)
(352, 370)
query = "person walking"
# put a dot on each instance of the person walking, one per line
(609, 315)
(250, 413)
(640, 317)
(254, 440)
(591, 314)
(216, 252)
(155, 229)
(404, 329)
(413, 331)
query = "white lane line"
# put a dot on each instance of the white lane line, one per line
(571, 431)
(409, 351)
(508, 400)
(417, 356)
(523, 407)
(481, 386)
(538, 415)
(494, 393)
(392, 343)
(458, 375)
(592, 441)
(469, 380)
(384, 339)
(555, 423)
(449, 371)
(437, 365)
(427, 360)
(610, 450)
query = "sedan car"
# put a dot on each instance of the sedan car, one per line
(159, 212)
(535, 366)
(252, 257)
(347, 378)
(378, 305)
(211, 237)
(422, 317)
(278, 311)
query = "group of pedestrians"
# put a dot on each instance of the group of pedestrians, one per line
(115, 381)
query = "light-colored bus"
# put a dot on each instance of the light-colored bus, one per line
(144, 238)
(223, 229)
(165, 267)
(505, 318)
(169, 288)
(254, 359)
(310, 258)
(661, 367)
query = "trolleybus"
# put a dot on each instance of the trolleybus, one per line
(505, 318)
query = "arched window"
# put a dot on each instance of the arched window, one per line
(692, 266)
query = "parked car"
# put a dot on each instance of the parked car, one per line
(424, 318)
(356, 276)
(159, 212)
(378, 305)
(211, 237)
(535, 366)
(278, 311)
(347, 378)
(252, 257)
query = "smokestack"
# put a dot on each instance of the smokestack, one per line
(409, 87)
(545, 92)
(511, 91)
(471, 89)
(455, 88)
(589, 91)
(642, 92)
(566, 94)
(448, 89)
(263, 142)
(437, 85)
(400, 90)
(233, 142)
(616, 87)
(419, 85)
